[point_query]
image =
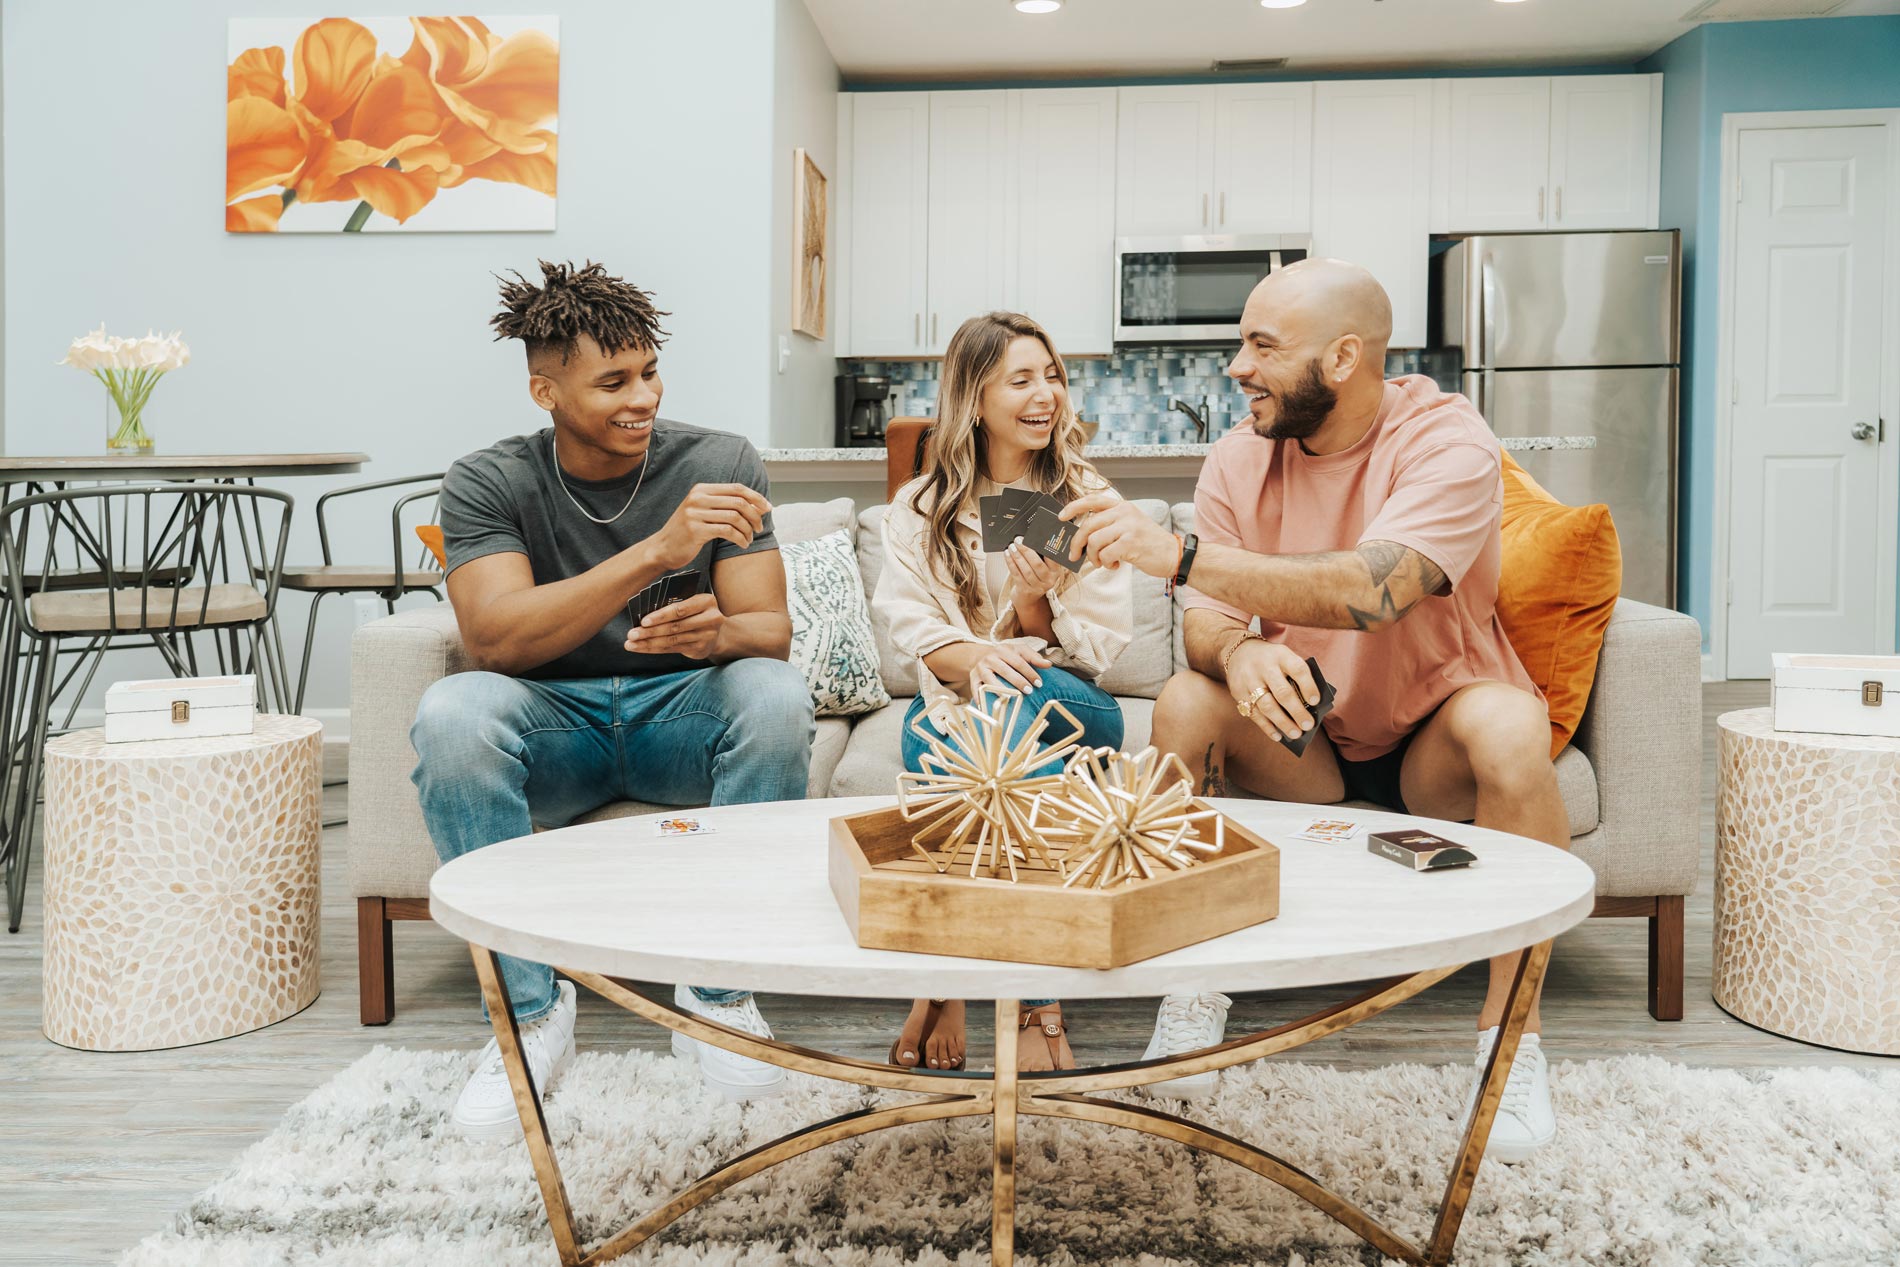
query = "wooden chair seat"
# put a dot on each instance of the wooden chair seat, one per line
(131, 609)
(319, 578)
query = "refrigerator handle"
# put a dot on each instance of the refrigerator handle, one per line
(1487, 308)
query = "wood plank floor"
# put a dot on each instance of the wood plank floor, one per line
(97, 1150)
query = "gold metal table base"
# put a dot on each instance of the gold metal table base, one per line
(1004, 1096)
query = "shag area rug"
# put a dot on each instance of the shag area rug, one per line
(1654, 1164)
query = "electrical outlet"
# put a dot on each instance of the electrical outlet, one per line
(368, 609)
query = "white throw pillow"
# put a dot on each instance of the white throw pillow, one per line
(832, 643)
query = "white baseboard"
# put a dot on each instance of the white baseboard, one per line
(1709, 673)
(336, 721)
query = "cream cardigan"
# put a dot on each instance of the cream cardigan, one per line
(1092, 611)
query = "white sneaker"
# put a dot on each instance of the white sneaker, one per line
(733, 1076)
(486, 1107)
(1525, 1121)
(1188, 1022)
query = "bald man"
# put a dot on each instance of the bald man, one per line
(1357, 520)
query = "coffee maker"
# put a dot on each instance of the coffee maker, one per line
(862, 399)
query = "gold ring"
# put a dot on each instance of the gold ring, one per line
(1245, 707)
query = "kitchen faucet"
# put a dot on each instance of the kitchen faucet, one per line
(1200, 419)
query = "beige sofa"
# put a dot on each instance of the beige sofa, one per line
(1630, 780)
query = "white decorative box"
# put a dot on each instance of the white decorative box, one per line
(1838, 694)
(181, 708)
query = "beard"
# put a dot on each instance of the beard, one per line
(1303, 408)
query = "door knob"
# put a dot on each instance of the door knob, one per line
(1863, 431)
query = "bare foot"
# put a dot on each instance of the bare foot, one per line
(1042, 1042)
(935, 1028)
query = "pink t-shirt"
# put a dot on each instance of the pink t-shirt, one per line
(1426, 476)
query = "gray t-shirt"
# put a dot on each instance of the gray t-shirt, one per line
(508, 499)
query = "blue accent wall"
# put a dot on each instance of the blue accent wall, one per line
(1729, 68)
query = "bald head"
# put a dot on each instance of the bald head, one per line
(1318, 300)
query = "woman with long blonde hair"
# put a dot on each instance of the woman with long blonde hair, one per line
(1011, 620)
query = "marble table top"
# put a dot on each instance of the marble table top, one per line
(1510, 444)
(26, 468)
(749, 907)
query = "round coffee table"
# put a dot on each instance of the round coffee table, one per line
(749, 906)
(1807, 911)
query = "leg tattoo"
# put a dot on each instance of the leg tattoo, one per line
(1212, 781)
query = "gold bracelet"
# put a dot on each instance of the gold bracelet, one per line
(1246, 636)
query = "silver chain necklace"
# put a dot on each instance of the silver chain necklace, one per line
(554, 458)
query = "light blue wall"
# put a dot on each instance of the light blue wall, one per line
(1729, 68)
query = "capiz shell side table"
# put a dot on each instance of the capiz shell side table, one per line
(1807, 883)
(182, 885)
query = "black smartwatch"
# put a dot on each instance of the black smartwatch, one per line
(1189, 544)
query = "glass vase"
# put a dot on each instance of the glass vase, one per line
(125, 429)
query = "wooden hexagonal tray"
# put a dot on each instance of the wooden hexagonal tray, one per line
(894, 900)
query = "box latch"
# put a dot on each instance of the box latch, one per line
(181, 709)
(1871, 693)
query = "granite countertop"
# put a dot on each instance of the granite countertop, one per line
(1513, 444)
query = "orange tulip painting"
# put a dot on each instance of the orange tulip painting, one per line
(391, 124)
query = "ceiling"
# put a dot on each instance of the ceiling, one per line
(987, 39)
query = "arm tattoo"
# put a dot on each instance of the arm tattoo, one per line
(1213, 782)
(1383, 561)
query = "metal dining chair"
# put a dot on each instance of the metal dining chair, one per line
(174, 563)
(389, 581)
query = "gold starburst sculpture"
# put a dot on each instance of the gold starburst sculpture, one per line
(977, 788)
(1125, 816)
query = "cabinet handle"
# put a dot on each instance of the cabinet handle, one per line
(917, 328)
(1540, 204)
(1223, 207)
(933, 327)
(1203, 211)
(1560, 204)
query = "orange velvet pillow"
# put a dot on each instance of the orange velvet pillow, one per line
(431, 536)
(1557, 586)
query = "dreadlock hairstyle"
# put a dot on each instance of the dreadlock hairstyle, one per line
(571, 302)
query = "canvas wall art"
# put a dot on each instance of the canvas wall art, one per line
(391, 124)
(808, 234)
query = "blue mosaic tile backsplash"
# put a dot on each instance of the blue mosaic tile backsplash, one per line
(1129, 393)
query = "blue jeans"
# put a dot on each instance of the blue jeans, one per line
(501, 755)
(1094, 708)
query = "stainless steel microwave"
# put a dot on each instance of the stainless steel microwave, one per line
(1192, 289)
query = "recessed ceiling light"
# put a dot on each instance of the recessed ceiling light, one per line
(1510, 1)
(1037, 6)
(1281, 4)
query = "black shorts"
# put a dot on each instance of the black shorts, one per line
(1377, 779)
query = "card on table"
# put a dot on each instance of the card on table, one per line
(1328, 831)
(682, 825)
(1297, 745)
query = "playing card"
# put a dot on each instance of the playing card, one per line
(1328, 831)
(1297, 745)
(1002, 516)
(1050, 536)
(682, 825)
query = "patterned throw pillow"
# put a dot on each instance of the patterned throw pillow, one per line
(832, 642)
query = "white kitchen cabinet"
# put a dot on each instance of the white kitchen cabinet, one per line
(1064, 139)
(1224, 158)
(1566, 152)
(1604, 151)
(1263, 158)
(888, 225)
(1499, 163)
(1164, 161)
(1376, 213)
(968, 257)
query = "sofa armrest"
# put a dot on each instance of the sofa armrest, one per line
(1642, 733)
(392, 662)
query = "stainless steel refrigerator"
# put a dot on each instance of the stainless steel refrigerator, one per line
(1579, 334)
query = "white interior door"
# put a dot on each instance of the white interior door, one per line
(1804, 497)
(969, 210)
(1065, 235)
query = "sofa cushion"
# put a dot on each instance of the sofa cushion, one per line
(1147, 664)
(805, 521)
(831, 626)
(900, 672)
(874, 756)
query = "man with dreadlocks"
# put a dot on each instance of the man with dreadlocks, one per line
(548, 536)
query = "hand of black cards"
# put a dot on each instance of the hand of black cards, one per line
(1018, 512)
(1327, 692)
(669, 589)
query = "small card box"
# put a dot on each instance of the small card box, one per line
(1419, 850)
(1838, 694)
(180, 708)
